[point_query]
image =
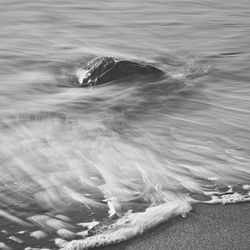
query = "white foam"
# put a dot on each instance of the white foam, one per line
(246, 187)
(60, 242)
(131, 225)
(228, 198)
(89, 225)
(178, 76)
(213, 178)
(81, 74)
(111, 201)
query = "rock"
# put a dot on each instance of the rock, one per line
(39, 220)
(38, 234)
(4, 247)
(16, 239)
(65, 233)
(106, 69)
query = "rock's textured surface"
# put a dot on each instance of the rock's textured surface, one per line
(105, 69)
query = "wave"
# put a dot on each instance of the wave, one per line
(140, 151)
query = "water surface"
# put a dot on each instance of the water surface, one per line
(70, 155)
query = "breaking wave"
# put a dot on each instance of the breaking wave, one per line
(140, 152)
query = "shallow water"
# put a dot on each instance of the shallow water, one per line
(84, 152)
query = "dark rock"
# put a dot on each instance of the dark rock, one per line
(106, 69)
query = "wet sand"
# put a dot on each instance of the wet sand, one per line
(206, 227)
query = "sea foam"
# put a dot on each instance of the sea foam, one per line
(132, 224)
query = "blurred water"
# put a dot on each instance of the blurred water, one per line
(65, 149)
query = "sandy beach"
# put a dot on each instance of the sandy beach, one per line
(206, 227)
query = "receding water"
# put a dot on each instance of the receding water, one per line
(143, 150)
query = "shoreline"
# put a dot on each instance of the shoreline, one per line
(205, 227)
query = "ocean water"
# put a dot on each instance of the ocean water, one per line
(84, 167)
